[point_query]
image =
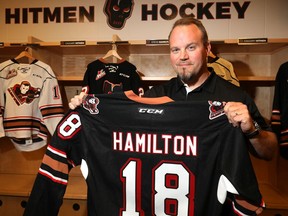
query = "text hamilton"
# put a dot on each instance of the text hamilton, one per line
(155, 143)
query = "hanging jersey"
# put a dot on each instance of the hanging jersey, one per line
(30, 102)
(102, 77)
(151, 157)
(279, 117)
(224, 69)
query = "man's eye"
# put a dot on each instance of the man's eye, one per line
(175, 50)
(191, 48)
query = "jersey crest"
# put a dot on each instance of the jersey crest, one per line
(11, 73)
(216, 109)
(101, 73)
(24, 93)
(90, 104)
(108, 87)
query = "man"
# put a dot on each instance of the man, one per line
(189, 49)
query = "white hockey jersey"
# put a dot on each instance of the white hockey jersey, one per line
(30, 103)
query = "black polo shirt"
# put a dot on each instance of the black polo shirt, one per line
(214, 88)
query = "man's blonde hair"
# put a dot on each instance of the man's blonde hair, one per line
(189, 21)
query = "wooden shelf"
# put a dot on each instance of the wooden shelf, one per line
(258, 80)
(166, 78)
(140, 46)
(232, 46)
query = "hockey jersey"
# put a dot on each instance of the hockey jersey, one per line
(30, 102)
(146, 156)
(103, 77)
(224, 69)
(279, 117)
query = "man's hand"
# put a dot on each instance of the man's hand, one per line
(76, 100)
(265, 143)
(239, 116)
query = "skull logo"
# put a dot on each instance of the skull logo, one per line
(117, 12)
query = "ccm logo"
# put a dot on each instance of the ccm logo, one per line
(151, 111)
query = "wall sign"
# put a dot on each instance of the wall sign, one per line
(70, 20)
(118, 13)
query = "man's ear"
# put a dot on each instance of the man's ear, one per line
(208, 48)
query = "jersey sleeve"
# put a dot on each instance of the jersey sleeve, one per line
(136, 83)
(61, 156)
(50, 103)
(2, 98)
(276, 109)
(240, 179)
(2, 105)
(86, 80)
(279, 117)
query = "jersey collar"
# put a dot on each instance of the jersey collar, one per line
(209, 85)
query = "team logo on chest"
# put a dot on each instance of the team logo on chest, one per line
(109, 87)
(24, 93)
(90, 103)
(101, 73)
(11, 73)
(216, 109)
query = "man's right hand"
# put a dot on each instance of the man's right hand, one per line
(76, 100)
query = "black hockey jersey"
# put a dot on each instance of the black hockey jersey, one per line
(103, 77)
(146, 156)
(279, 117)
